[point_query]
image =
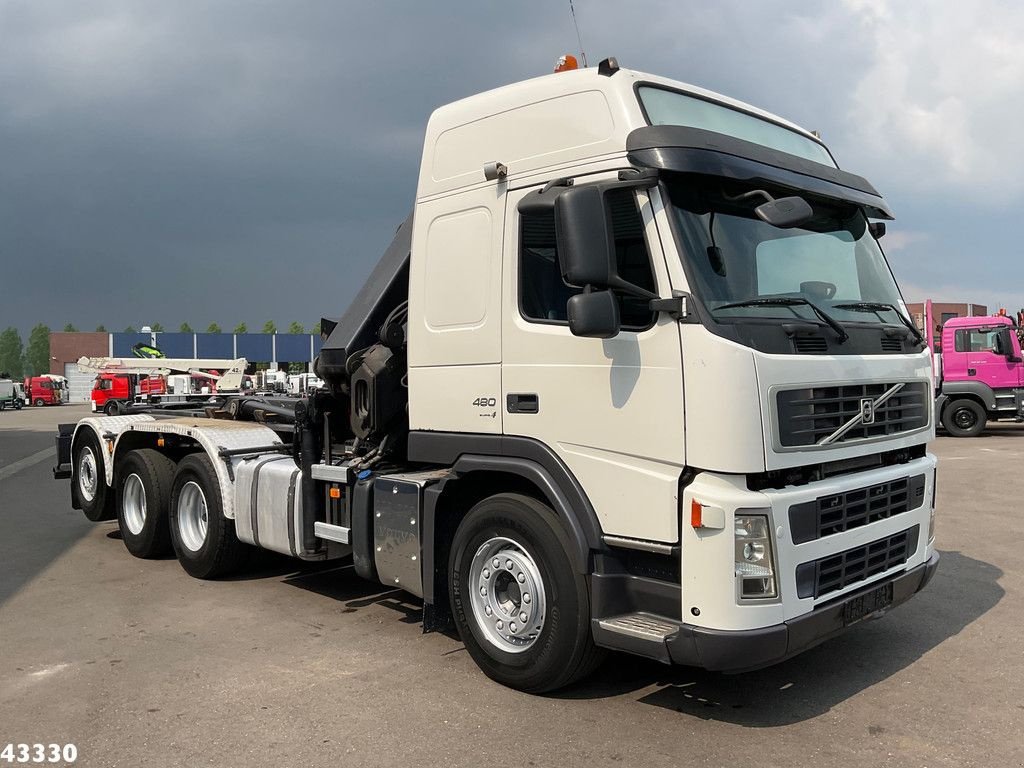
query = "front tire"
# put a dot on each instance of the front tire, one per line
(521, 609)
(204, 539)
(40, 402)
(89, 479)
(111, 409)
(144, 479)
(964, 418)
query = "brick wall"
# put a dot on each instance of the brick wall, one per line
(68, 347)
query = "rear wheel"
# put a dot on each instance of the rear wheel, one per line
(144, 479)
(964, 418)
(521, 609)
(204, 539)
(89, 481)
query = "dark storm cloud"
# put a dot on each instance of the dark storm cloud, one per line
(227, 161)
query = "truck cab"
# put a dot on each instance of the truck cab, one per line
(634, 375)
(982, 374)
(45, 390)
(109, 390)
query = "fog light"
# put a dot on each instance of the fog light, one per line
(754, 566)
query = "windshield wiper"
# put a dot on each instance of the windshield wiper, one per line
(793, 301)
(879, 306)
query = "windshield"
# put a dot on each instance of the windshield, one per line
(831, 261)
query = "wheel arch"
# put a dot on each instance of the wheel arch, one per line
(971, 390)
(486, 465)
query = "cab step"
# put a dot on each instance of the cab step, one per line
(641, 633)
(330, 532)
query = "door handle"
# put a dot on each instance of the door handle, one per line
(522, 402)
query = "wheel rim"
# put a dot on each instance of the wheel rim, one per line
(193, 516)
(134, 503)
(88, 477)
(508, 595)
(964, 418)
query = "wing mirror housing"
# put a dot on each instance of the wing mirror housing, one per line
(586, 243)
(594, 314)
(1004, 346)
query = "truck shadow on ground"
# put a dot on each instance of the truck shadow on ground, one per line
(812, 683)
(341, 583)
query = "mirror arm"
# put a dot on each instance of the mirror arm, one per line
(633, 290)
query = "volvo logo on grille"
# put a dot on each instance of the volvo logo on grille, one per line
(867, 410)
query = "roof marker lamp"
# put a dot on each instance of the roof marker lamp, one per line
(755, 560)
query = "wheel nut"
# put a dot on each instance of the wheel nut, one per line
(487, 610)
(512, 626)
(500, 624)
(496, 563)
(487, 574)
(522, 617)
(509, 564)
(521, 578)
(526, 597)
(483, 591)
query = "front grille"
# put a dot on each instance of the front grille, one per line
(833, 573)
(809, 415)
(840, 512)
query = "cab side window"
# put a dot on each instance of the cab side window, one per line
(542, 291)
(972, 340)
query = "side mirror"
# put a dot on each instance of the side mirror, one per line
(1004, 345)
(877, 229)
(785, 212)
(594, 314)
(583, 229)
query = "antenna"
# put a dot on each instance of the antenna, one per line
(579, 40)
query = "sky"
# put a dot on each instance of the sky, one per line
(241, 161)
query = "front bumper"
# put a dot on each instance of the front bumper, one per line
(744, 650)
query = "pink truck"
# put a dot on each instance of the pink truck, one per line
(979, 374)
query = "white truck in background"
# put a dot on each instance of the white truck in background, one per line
(634, 375)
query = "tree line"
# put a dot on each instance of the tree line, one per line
(268, 327)
(33, 359)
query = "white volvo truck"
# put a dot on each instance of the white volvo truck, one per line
(634, 375)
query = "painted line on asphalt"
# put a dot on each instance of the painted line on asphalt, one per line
(25, 463)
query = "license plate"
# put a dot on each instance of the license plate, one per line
(864, 605)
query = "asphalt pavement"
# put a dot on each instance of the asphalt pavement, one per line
(138, 664)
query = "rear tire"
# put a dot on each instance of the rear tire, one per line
(526, 621)
(204, 540)
(964, 418)
(144, 480)
(89, 479)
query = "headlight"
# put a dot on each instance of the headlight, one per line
(755, 562)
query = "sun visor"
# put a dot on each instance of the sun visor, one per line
(693, 150)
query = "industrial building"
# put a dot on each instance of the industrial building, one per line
(265, 349)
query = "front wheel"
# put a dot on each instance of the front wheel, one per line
(964, 418)
(204, 539)
(40, 402)
(111, 409)
(521, 609)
